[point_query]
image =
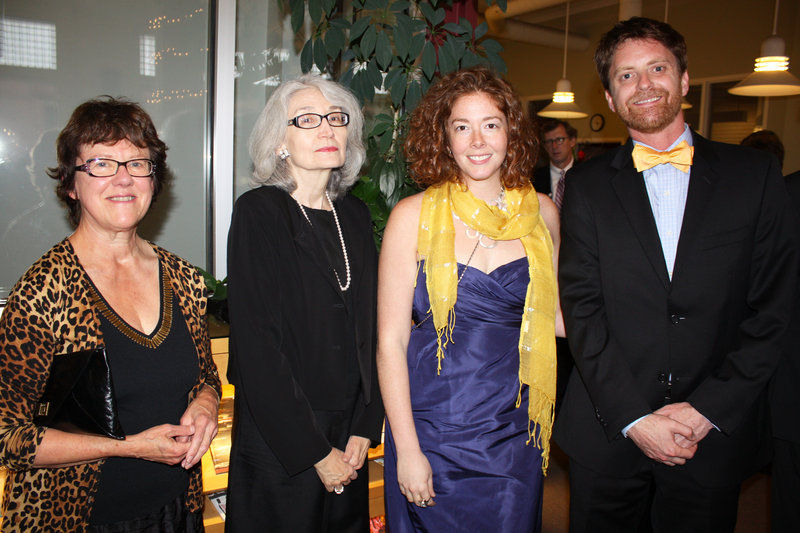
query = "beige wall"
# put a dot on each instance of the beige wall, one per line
(723, 37)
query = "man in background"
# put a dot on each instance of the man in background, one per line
(784, 398)
(784, 389)
(766, 140)
(558, 138)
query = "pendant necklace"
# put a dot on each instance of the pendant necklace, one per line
(472, 233)
(341, 241)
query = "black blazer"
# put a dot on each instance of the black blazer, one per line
(282, 295)
(785, 386)
(541, 180)
(716, 327)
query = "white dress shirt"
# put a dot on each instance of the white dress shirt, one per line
(555, 175)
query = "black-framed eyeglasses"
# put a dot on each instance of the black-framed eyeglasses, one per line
(308, 121)
(557, 141)
(101, 167)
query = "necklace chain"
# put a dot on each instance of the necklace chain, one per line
(472, 233)
(341, 241)
(463, 271)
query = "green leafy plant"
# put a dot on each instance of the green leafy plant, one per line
(217, 289)
(395, 48)
(217, 310)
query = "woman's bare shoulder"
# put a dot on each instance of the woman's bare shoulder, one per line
(406, 212)
(550, 214)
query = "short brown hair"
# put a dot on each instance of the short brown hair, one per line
(643, 29)
(105, 120)
(426, 148)
(549, 125)
(766, 140)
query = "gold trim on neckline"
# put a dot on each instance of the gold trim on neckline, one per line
(134, 335)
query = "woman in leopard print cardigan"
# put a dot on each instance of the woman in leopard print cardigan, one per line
(68, 301)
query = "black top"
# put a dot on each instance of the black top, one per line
(342, 336)
(151, 385)
(325, 232)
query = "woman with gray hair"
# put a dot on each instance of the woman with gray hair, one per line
(302, 269)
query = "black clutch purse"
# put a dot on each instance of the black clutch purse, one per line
(79, 395)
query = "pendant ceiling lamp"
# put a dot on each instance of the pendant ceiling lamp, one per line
(563, 105)
(771, 76)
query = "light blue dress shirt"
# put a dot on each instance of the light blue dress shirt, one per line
(667, 188)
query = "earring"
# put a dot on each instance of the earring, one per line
(283, 153)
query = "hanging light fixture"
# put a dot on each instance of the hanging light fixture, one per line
(563, 105)
(771, 76)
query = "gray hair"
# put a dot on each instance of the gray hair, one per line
(269, 133)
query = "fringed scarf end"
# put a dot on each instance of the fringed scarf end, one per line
(541, 411)
(444, 336)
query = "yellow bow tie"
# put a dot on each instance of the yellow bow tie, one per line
(679, 157)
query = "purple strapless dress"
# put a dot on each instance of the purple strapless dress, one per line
(485, 477)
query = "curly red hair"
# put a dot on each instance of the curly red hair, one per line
(426, 147)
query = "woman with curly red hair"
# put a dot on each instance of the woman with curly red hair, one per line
(469, 388)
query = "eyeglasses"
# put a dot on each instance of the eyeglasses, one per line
(100, 167)
(308, 121)
(557, 141)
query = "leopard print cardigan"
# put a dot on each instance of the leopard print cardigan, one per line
(49, 311)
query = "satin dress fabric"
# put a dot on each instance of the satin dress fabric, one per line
(486, 478)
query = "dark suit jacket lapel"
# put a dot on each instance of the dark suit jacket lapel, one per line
(702, 180)
(541, 180)
(630, 189)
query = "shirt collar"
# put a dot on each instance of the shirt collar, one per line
(685, 136)
(557, 170)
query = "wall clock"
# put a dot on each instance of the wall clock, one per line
(597, 122)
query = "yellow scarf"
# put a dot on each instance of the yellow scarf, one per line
(436, 245)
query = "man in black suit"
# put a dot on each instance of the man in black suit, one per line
(677, 276)
(784, 392)
(784, 397)
(558, 138)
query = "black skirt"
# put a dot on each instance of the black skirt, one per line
(172, 518)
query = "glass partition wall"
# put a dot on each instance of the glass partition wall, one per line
(55, 55)
(267, 53)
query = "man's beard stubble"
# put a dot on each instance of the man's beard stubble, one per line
(651, 119)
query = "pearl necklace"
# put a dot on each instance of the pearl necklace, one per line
(341, 241)
(471, 233)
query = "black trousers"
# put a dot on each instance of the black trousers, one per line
(263, 498)
(785, 486)
(659, 499)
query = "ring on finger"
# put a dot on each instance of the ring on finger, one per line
(424, 503)
(338, 489)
